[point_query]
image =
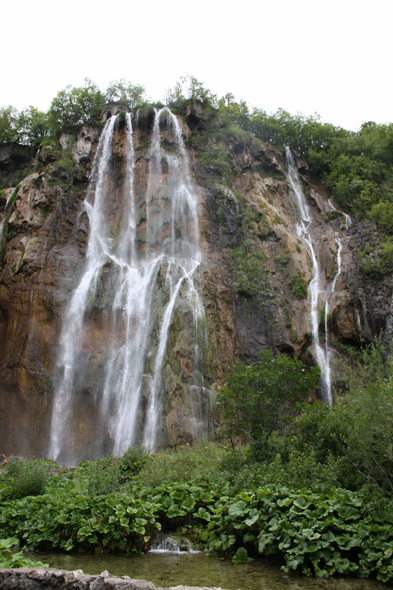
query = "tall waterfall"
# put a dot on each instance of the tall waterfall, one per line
(139, 282)
(314, 287)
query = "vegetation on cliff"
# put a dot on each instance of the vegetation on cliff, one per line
(356, 167)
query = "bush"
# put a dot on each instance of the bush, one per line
(103, 475)
(133, 460)
(260, 398)
(199, 463)
(298, 285)
(26, 477)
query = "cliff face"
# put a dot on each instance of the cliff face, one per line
(253, 280)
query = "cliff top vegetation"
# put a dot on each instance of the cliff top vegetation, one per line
(357, 167)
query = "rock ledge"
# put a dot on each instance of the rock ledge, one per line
(47, 578)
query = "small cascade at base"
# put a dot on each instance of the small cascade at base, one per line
(163, 543)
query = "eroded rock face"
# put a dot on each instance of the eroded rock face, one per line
(253, 276)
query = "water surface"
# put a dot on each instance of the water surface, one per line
(199, 569)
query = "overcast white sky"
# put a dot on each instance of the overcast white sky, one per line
(333, 57)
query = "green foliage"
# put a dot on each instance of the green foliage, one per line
(133, 460)
(216, 159)
(26, 477)
(241, 556)
(248, 268)
(73, 107)
(189, 88)
(316, 533)
(103, 476)
(33, 126)
(187, 463)
(355, 436)
(376, 262)
(382, 214)
(10, 559)
(259, 398)
(298, 285)
(8, 125)
(319, 534)
(125, 92)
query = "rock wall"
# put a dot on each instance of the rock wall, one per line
(254, 274)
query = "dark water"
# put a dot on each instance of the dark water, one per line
(199, 569)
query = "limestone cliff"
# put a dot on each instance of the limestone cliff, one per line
(253, 277)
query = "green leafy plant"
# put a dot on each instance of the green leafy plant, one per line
(10, 559)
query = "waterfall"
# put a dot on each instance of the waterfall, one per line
(2, 224)
(337, 239)
(348, 220)
(314, 286)
(141, 268)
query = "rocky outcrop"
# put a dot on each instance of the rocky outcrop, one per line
(46, 579)
(253, 277)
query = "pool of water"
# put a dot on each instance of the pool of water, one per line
(199, 569)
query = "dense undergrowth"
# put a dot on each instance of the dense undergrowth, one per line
(316, 532)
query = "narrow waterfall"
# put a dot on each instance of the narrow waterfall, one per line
(2, 224)
(314, 287)
(328, 351)
(140, 281)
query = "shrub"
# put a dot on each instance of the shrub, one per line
(216, 159)
(26, 477)
(260, 398)
(198, 463)
(298, 285)
(248, 268)
(133, 460)
(103, 475)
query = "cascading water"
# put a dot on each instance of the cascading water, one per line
(140, 274)
(328, 351)
(323, 355)
(314, 287)
(2, 224)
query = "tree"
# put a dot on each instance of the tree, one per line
(125, 92)
(8, 124)
(73, 107)
(176, 93)
(259, 398)
(32, 125)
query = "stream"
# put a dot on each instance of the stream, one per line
(199, 569)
